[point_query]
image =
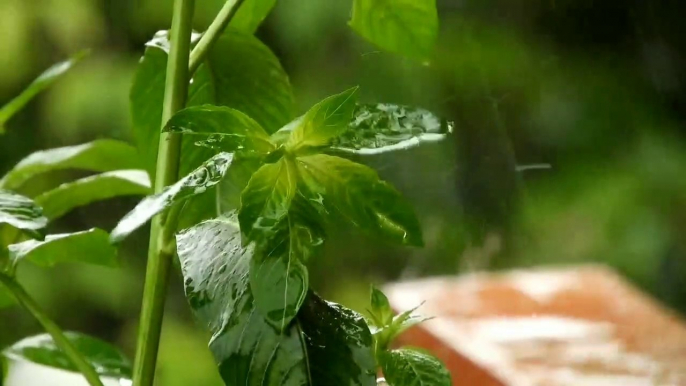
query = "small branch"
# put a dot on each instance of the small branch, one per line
(53, 329)
(213, 32)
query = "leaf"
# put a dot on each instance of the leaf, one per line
(195, 183)
(43, 81)
(381, 307)
(323, 122)
(248, 351)
(6, 299)
(91, 246)
(380, 128)
(220, 128)
(355, 192)
(339, 344)
(237, 178)
(406, 27)
(240, 72)
(86, 190)
(22, 213)
(333, 342)
(266, 199)
(251, 14)
(408, 367)
(98, 156)
(106, 359)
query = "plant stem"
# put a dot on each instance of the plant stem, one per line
(213, 32)
(159, 258)
(53, 329)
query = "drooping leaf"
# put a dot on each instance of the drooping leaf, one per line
(356, 193)
(240, 72)
(408, 367)
(381, 308)
(406, 27)
(251, 14)
(21, 213)
(333, 348)
(339, 344)
(248, 351)
(106, 359)
(221, 128)
(91, 246)
(99, 156)
(86, 190)
(266, 199)
(43, 81)
(380, 128)
(324, 121)
(197, 182)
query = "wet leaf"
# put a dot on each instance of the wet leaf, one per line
(251, 14)
(356, 193)
(380, 128)
(106, 359)
(91, 246)
(406, 27)
(323, 122)
(22, 213)
(216, 275)
(408, 367)
(221, 128)
(197, 182)
(86, 190)
(339, 344)
(43, 81)
(237, 178)
(381, 308)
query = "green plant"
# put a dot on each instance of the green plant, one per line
(257, 187)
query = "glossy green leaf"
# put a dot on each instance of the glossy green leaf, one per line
(406, 27)
(237, 178)
(324, 121)
(197, 182)
(408, 367)
(43, 81)
(339, 344)
(266, 199)
(91, 246)
(381, 308)
(216, 275)
(106, 359)
(86, 190)
(221, 128)
(356, 193)
(22, 213)
(240, 72)
(99, 156)
(333, 347)
(380, 128)
(251, 14)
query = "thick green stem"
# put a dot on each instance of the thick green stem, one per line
(53, 329)
(213, 32)
(159, 258)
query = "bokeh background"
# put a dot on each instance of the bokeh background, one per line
(569, 145)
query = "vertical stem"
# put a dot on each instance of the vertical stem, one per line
(159, 256)
(53, 329)
(213, 32)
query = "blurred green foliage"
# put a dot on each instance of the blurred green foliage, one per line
(593, 88)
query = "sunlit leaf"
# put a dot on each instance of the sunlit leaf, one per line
(21, 213)
(195, 183)
(91, 246)
(408, 367)
(237, 178)
(106, 359)
(220, 128)
(381, 307)
(407, 27)
(251, 14)
(99, 156)
(356, 193)
(86, 190)
(323, 122)
(43, 81)
(384, 127)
